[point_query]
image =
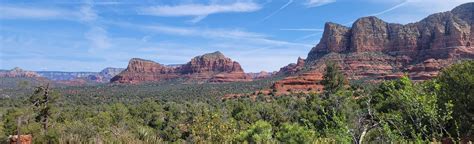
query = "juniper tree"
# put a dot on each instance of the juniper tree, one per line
(43, 101)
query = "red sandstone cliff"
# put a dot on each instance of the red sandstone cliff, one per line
(292, 68)
(211, 67)
(374, 50)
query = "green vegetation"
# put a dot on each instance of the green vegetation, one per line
(391, 111)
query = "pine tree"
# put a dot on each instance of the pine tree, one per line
(333, 79)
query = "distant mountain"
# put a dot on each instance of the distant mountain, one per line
(373, 50)
(211, 67)
(261, 75)
(102, 76)
(18, 72)
(59, 75)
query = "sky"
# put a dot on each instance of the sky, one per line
(86, 35)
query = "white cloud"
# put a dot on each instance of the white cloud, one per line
(200, 11)
(98, 38)
(84, 14)
(316, 3)
(234, 34)
(17, 12)
(87, 13)
(209, 33)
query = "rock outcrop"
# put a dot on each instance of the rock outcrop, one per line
(292, 68)
(432, 37)
(211, 67)
(18, 72)
(375, 50)
(140, 70)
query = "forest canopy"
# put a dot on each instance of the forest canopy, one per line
(399, 110)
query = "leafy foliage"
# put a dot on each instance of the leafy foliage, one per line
(456, 86)
(391, 111)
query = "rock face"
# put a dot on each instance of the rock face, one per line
(211, 67)
(292, 68)
(140, 70)
(18, 72)
(374, 50)
(429, 38)
(306, 82)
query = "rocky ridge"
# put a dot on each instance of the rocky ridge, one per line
(101, 77)
(375, 50)
(211, 67)
(18, 72)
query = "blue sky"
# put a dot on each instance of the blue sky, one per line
(69, 35)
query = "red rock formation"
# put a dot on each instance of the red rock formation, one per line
(211, 62)
(437, 33)
(212, 67)
(140, 70)
(374, 50)
(17, 72)
(292, 68)
(307, 82)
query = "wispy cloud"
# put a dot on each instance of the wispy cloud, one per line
(277, 11)
(21, 12)
(222, 33)
(98, 38)
(316, 3)
(87, 13)
(200, 11)
(97, 34)
(84, 14)
(303, 29)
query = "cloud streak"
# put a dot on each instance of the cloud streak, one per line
(20, 12)
(317, 3)
(200, 11)
(277, 11)
(98, 38)
(390, 9)
(234, 34)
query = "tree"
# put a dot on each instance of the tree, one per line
(294, 133)
(333, 80)
(259, 132)
(407, 110)
(457, 86)
(43, 103)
